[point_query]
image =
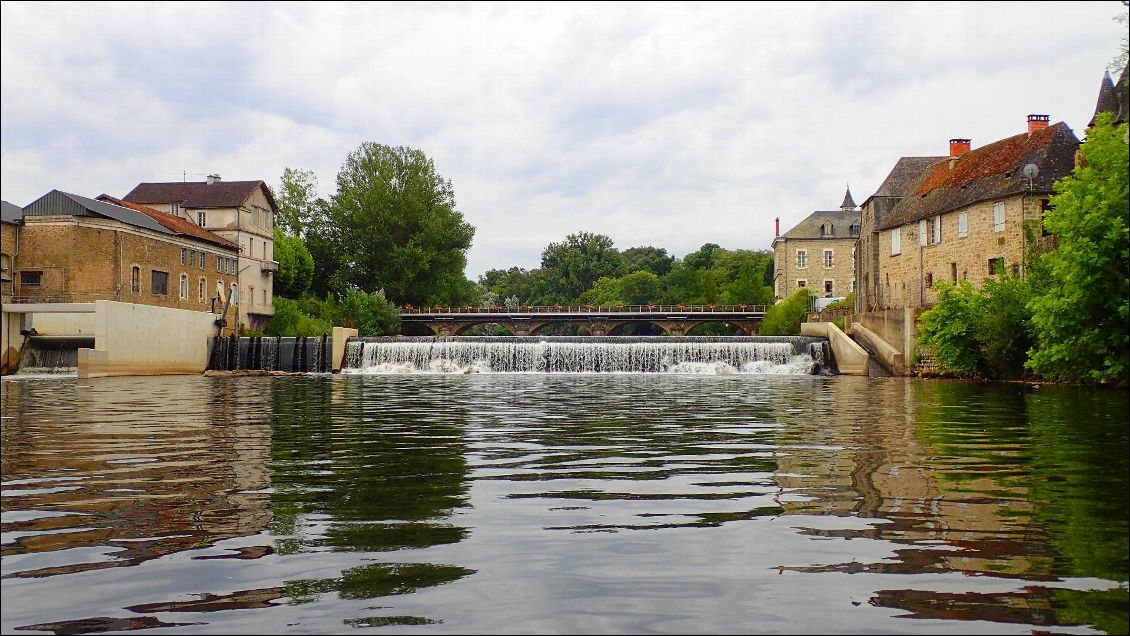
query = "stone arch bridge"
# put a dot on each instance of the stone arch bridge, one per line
(675, 320)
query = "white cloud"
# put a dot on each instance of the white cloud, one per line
(655, 124)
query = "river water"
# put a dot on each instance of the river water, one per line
(491, 503)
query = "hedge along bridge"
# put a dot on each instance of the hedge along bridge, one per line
(675, 320)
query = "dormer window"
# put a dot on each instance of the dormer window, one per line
(854, 229)
(827, 230)
(174, 209)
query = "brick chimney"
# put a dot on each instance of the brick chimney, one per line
(777, 232)
(1037, 122)
(958, 147)
(213, 178)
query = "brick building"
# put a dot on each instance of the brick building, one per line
(818, 253)
(964, 216)
(76, 249)
(243, 212)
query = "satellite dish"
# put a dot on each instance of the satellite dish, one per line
(1031, 171)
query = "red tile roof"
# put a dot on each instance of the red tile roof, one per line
(181, 226)
(989, 172)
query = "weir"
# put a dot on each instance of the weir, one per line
(303, 354)
(786, 355)
(52, 354)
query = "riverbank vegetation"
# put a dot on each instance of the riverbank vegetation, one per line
(1068, 318)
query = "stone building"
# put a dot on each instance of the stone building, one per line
(10, 217)
(243, 212)
(906, 173)
(818, 253)
(76, 249)
(964, 217)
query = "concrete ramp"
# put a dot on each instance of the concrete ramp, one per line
(851, 359)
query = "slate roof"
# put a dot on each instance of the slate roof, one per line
(906, 173)
(178, 225)
(809, 228)
(199, 194)
(1112, 99)
(989, 172)
(10, 213)
(848, 201)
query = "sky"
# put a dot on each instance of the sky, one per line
(663, 124)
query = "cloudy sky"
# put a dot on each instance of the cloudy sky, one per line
(656, 123)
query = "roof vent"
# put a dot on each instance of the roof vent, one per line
(213, 178)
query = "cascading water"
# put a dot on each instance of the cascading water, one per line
(588, 354)
(52, 355)
(265, 353)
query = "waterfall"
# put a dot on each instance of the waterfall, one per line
(52, 354)
(271, 353)
(589, 354)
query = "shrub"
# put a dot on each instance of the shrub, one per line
(784, 318)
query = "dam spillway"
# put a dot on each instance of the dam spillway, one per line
(782, 355)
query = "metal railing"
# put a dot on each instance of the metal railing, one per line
(587, 309)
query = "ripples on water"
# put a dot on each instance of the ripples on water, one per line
(490, 503)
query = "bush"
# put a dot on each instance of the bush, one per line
(784, 318)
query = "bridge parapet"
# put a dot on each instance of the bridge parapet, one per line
(675, 320)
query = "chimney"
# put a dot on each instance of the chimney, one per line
(777, 231)
(213, 178)
(958, 147)
(1037, 122)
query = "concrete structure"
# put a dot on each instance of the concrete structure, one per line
(851, 359)
(599, 321)
(11, 216)
(965, 217)
(818, 253)
(242, 212)
(338, 338)
(176, 341)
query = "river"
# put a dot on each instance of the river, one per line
(572, 503)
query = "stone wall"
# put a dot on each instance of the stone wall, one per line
(86, 259)
(814, 273)
(908, 277)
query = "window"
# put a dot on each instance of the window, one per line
(266, 256)
(963, 224)
(953, 272)
(827, 258)
(265, 301)
(896, 241)
(159, 282)
(922, 233)
(219, 263)
(234, 294)
(801, 259)
(202, 218)
(853, 257)
(184, 287)
(250, 296)
(801, 283)
(828, 286)
(1043, 217)
(201, 256)
(135, 280)
(853, 286)
(929, 279)
(203, 288)
(996, 265)
(827, 230)
(937, 223)
(31, 279)
(183, 256)
(174, 209)
(998, 217)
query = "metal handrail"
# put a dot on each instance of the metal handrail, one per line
(586, 309)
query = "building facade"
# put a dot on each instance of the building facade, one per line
(244, 213)
(76, 249)
(818, 253)
(964, 218)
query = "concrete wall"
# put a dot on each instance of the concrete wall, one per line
(10, 342)
(338, 338)
(814, 273)
(131, 339)
(895, 328)
(62, 324)
(851, 359)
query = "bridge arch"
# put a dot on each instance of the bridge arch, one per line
(653, 328)
(736, 329)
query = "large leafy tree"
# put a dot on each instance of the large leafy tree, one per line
(296, 266)
(650, 259)
(1080, 319)
(573, 265)
(297, 201)
(394, 226)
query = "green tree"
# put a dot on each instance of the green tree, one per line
(683, 285)
(640, 288)
(605, 292)
(652, 259)
(296, 266)
(371, 314)
(784, 318)
(573, 265)
(296, 199)
(703, 258)
(1080, 319)
(394, 226)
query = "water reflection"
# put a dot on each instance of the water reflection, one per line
(567, 504)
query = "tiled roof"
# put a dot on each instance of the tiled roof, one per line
(907, 172)
(1113, 98)
(178, 225)
(989, 172)
(809, 228)
(199, 194)
(10, 212)
(848, 201)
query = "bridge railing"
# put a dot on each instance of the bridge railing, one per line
(587, 309)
